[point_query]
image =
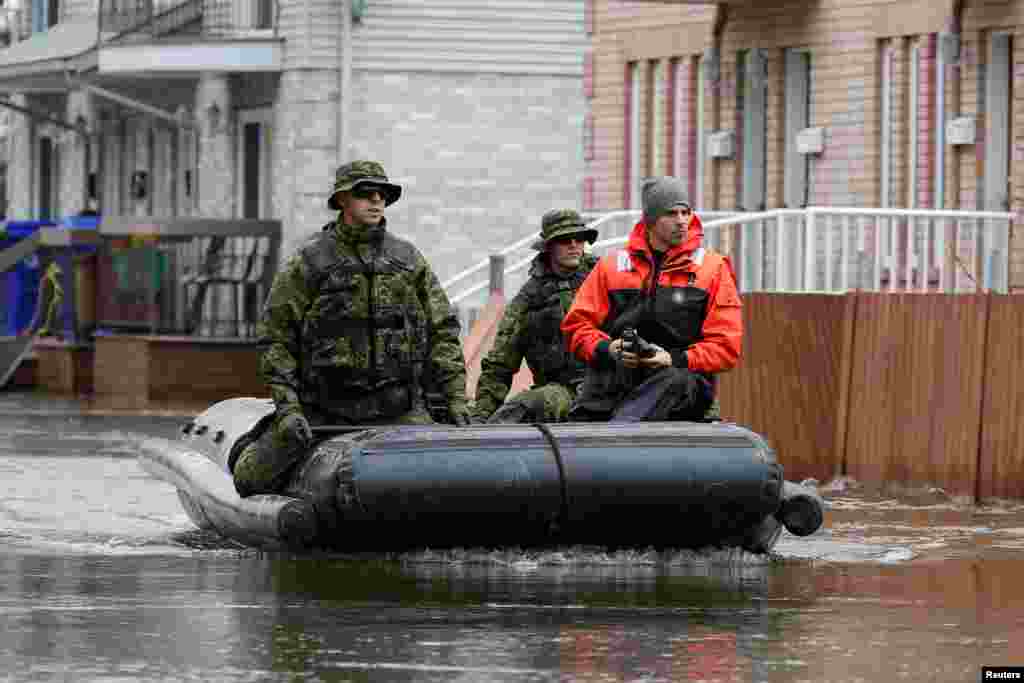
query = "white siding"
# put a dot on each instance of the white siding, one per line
(311, 29)
(76, 9)
(475, 36)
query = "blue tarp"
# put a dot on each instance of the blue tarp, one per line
(19, 286)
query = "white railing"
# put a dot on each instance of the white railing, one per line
(470, 286)
(836, 249)
(820, 249)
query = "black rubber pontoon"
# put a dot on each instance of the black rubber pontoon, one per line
(664, 484)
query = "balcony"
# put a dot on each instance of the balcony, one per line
(126, 21)
(140, 37)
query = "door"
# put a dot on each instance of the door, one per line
(995, 236)
(46, 172)
(753, 107)
(254, 163)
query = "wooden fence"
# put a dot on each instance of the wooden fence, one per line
(905, 389)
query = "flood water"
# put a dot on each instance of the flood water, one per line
(103, 578)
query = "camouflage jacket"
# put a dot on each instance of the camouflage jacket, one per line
(530, 329)
(357, 313)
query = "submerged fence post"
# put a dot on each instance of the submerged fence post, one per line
(497, 276)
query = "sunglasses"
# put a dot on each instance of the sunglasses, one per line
(568, 239)
(367, 192)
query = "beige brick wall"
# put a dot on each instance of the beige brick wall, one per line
(845, 38)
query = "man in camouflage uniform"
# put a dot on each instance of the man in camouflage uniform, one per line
(530, 329)
(356, 327)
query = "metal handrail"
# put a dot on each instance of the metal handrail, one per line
(753, 261)
(484, 264)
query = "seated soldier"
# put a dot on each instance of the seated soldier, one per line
(530, 329)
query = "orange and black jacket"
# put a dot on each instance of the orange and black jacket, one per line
(688, 304)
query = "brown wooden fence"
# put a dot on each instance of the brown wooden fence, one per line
(906, 389)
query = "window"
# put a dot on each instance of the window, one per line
(45, 13)
(632, 152)
(254, 14)
(657, 98)
(997, 122)
(752, 107)
(798, 114)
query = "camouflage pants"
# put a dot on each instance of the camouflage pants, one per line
(265, 465)
(547, 403)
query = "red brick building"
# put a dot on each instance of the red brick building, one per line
(792, 103)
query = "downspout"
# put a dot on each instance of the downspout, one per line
(344, 78)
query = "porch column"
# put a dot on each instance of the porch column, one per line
(216, 182)
(20, 171)
(305, 151)
(74, 153)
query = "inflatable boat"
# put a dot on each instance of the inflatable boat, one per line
(383, 488)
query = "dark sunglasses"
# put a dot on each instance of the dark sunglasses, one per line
(367, 192)
(567, 239)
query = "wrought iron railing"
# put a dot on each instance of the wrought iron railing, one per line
(185, 276)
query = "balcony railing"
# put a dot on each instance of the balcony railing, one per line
(128, 20)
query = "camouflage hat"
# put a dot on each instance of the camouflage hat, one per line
(356, 173)
(560, 223)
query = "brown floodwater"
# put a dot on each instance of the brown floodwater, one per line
(103, 578)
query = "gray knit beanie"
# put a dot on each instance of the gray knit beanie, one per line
(661, 194)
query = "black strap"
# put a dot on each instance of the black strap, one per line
(563, 513)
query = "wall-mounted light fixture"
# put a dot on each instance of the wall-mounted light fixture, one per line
(139, 184)
(712, 65)
(213, 117)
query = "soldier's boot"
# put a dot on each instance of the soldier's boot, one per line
(519, 411)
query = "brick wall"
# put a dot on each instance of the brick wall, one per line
(846, 40)
(480, 157)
